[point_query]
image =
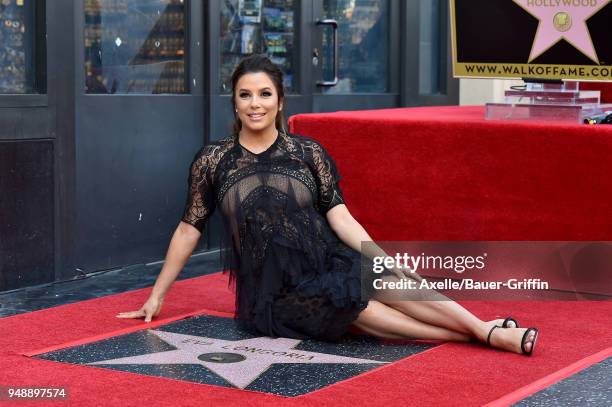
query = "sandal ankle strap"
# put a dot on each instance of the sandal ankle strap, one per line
(489, 336)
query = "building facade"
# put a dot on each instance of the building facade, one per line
(103, 104)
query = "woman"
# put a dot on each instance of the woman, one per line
(289, 241)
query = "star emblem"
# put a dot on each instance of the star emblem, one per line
(562, 21)
(238, 362)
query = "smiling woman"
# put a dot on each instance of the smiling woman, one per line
(257, 98)
(288, 240)
(293, 276)
(257, 105)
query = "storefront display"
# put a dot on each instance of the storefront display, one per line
(16, 46)
(135, 46)
(257, 26)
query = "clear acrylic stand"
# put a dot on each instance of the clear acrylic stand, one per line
(561, 102)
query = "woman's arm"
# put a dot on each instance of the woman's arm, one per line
(198, 208)
(353, 234)
(184, 240)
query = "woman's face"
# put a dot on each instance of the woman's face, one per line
(257, 101)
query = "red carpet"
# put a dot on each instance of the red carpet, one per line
(408, 174)
(445, 173)
(450, 374)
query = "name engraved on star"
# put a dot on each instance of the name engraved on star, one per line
(198, 342)
(559, 3)
(268, 352)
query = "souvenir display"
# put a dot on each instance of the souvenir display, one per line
(257, 26)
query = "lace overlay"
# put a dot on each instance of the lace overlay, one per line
(293, 277)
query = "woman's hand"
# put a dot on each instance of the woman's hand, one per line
(150, 309)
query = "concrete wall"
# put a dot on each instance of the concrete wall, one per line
(481, 91)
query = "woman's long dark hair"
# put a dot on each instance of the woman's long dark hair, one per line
(253, 64)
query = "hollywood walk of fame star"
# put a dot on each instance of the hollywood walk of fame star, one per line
(238, 362)
(562, 21)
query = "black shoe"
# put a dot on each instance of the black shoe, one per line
(508, 320)
(523, 340)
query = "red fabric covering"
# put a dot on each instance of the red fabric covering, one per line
(604, 87)
(409, 174)
(93, 386)
(445, 173)
(452, 374)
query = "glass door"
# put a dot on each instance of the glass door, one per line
(354, 54)
(275, 28)
(335, 54)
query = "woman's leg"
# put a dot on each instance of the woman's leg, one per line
(433, 308)
(383, 321)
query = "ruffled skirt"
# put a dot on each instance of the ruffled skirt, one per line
(294, 278)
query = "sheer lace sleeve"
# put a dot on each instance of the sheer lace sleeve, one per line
(328, 179)
(200, 201)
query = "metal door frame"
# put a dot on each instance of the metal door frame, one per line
(449, 86)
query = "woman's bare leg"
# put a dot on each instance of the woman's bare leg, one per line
(383, 321)
(433, 308)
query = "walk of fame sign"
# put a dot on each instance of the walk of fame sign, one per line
(551, 39)
(211, 350)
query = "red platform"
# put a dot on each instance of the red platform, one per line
(446, 173)
(422, 173)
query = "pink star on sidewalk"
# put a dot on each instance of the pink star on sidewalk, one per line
(576, 32)
(245, 360)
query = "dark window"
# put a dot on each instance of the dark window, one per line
(135, 46)
(22, 47)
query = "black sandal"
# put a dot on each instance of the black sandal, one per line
(489, 336)
(523, 340)
(508, 320)
(533, 343)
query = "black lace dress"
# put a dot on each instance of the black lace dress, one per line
(293, 276)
